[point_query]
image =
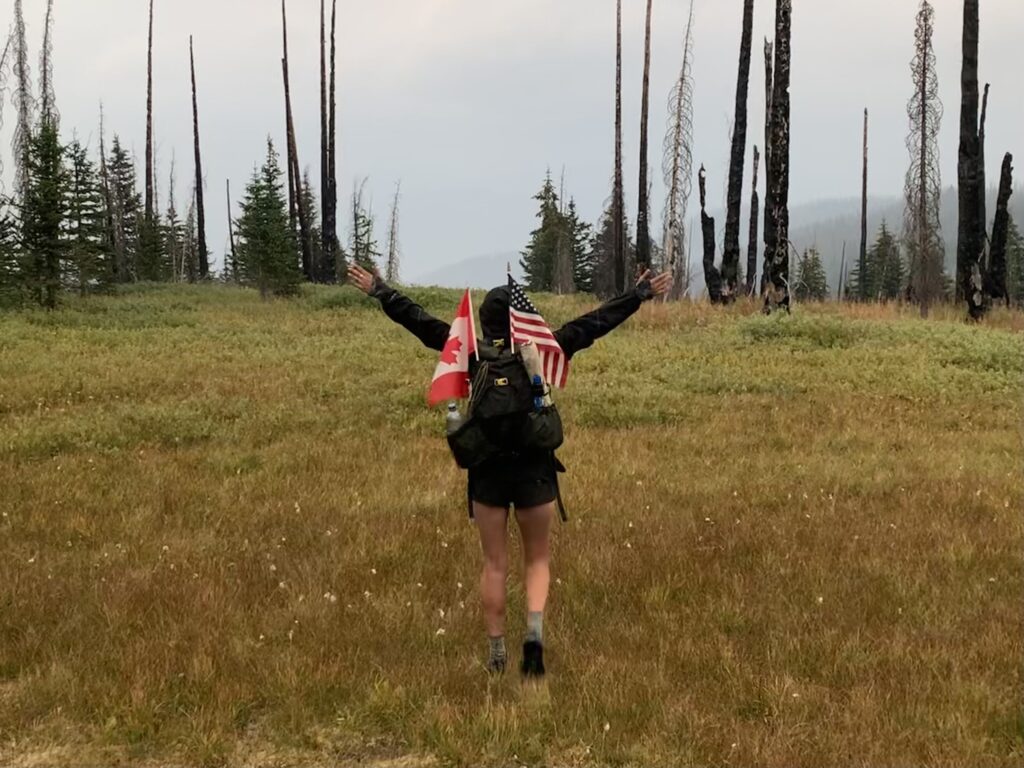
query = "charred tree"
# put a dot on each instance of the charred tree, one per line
(752, 237)
(777, 281)
(391, 274)
(970, 236)
(618, 189)
(737, 157)
(333, 252)
(298, 213)
(922, 231)
(712, 277)
(982, 186)
(149, 123)
(769, 224)
(233, 270)
(202, 253)
(643, 229)
(24, 103)
(49, 99)
(677, 166)
(996, 274)
(862, 263)
(328, 268)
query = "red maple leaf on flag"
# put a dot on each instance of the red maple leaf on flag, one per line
(450, 353)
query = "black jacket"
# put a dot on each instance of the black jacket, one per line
(572, 337)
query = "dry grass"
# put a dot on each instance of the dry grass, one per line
(230, 535)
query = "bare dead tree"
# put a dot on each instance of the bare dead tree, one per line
(202, 253)
(298, 214)
(331, 205)
(712, 277)
(392, 272)
(922, 233)
(769, 224)
(862, 263)
(231, 237)
(970, 235)
(149, 123)
(677, 166)
(23, 101)
(777, 281)
(737, 157)
(46, 90)
(752, 237)
(982, 186)
(996, 274)
(328, 273)
(842, 275)
(293, 216)
(643, 229)
(618, 189)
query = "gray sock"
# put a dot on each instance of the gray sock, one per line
(498, 654)
(535, 627)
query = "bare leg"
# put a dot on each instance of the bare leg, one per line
(492, 523)
(535, 527)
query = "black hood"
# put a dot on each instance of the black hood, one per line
(494, 315)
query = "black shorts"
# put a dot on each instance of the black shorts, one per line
(522, 481)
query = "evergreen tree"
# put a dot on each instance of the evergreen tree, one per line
(580, 237)
(266, 243)
(364, 248)
(1015, 265)
(43, 210)
(126, 212)
(890, 274)
(10, 269)
(538, 260)
(602, 253)
(190, 242)
(811, 281)
(86, 216)
(313, 216)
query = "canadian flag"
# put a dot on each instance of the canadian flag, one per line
(451, 378)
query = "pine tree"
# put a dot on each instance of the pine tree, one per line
(309, 204)
(43, 212)
(811, 282)
(10, 270)
(125, 213)
(890, 273)
(84, 226)
(538, 260)
(364, 248)
(266, 243)
(603, 253)
(174, 236)
(583, 262)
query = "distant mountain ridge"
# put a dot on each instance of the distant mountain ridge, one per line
(479, 272)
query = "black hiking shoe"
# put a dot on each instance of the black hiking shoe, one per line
(533, 659)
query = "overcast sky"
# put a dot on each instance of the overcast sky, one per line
(468, 102)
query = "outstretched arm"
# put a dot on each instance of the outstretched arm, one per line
(584, 331)
(403, 310)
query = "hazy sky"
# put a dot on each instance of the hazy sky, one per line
(468, 102)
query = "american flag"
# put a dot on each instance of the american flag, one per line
(526, 325)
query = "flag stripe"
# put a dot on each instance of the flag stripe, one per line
(527, 325)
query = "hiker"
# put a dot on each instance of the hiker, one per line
(524, 480)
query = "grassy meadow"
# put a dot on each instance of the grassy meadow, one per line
(231, 534)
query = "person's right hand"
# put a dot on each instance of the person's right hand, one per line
(362, 279)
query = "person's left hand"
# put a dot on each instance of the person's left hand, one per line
(659, 284)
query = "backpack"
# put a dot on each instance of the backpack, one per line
(503, 417)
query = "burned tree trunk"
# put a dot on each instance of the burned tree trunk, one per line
(643, 229)
(149, 123)
(970, 237)
(329, 268)
(777, 260)
(25, 103)
(391, 274)
(769, 224)
(712, 277)
(754, 230)
(46, 90)
(203, 253)
(618, 190)
(677, 165)
(996, 274)
(231, 238)
(331, 205)
(737, 157)
(982, 187)
(296, 202)
(862, 263)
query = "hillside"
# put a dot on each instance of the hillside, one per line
(232, 535)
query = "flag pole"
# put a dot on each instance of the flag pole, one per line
(472, 325)
(511, 337)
